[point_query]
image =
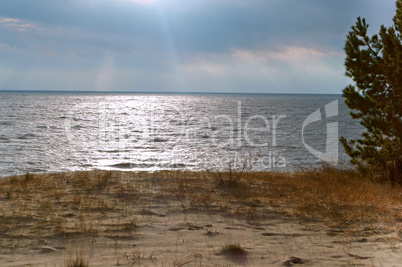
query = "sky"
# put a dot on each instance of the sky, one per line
(227, 46)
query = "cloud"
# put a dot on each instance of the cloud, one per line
(225, 45)
(287, 69)
(207, 64)
(288, 56)
(8, 20)
(7, 47)
(19, 24)
(292, 55)
(196, 25)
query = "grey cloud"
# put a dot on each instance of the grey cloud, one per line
(152, 41)
(205, 26)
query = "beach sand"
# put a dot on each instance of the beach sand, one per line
(174, 219)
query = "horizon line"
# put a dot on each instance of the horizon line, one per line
(162, 92)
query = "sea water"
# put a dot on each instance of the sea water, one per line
(66, 131)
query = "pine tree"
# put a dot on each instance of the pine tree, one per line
(375, 65)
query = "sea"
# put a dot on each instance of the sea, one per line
(42, 132)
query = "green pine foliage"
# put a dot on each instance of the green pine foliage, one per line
(375, 65)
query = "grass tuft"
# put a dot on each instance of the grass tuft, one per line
(28, 177)
(77, 262)
(233, 250)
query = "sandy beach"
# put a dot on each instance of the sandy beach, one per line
(104, 218)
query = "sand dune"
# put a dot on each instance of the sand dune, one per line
(112, 219)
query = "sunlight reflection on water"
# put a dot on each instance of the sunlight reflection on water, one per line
(41, 132)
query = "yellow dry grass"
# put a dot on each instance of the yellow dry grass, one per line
(340, 196)
(97, 202)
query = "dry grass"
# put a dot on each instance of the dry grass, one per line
(330, 194)
(233, 249)
(77, 262)
(235, 253)
(67, 204)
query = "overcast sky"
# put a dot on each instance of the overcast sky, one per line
(259, 46)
